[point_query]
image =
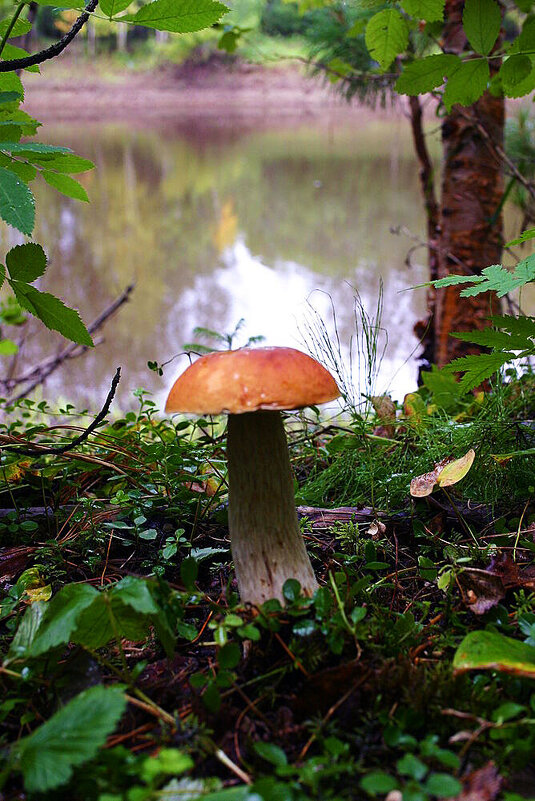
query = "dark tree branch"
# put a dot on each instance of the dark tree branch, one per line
(54, 50)
(39, 450)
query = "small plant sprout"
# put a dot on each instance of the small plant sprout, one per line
(253, 386)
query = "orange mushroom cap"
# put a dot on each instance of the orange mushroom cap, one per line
(246, 380)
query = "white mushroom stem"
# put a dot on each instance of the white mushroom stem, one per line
(267, 545)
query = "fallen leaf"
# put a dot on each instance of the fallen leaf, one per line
(480, 785)
(456, 470)
(445, 473)
(489, 650)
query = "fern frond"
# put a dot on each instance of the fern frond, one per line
(499, 340)
(478, 368)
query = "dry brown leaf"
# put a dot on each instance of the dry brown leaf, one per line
(480, 785)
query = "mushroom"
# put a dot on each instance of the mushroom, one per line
(253, 385)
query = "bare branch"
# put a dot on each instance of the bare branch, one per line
(54, 50)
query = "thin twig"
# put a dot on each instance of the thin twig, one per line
(54, 50)
(33, 449)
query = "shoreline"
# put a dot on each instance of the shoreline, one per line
(222, 96)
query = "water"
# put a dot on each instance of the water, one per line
(217, 226)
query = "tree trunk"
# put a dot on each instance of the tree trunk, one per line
(470, 227)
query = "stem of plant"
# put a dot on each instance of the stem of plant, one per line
(10, 27)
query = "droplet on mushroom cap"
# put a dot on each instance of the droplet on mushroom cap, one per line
(246, 380)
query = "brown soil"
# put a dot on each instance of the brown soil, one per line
(222, 93)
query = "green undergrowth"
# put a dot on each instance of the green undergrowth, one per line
(130, 670)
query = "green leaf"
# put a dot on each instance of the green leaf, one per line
(442, 785)
(71, 737)
(271, 753)
(499, 340)
(17, 204)
(426, 74)
(488, 650)
(9, 132)
(409, 765)
(378, 782)
(63, 162)
(454, 280)
(20, 28)
(482, 21)
(8, 347)
(65, 184)
(525, 236)
(135, 592)
(443, 387)
(523, 325)
(513, 71)
(179, 16)
(78, 4)
(467, 83)
(24, 171)
(113, 7)
(9, 82)
(52, 312)
(429, 10)
(478, 368)
(30, 148)
(61, 617)
(496, 278)
(26, 632)
(229, 655)
(8, 97)
(11, 52)
(26, 262)
(387, 35)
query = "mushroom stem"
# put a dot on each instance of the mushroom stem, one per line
(267, 546)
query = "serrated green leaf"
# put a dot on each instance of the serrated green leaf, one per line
(26, 262)
(65, 184)
(10, 82)
(523, 325)
(488, 650)
(490, 338)
(11, 52)
(100, 623)
(495, 277)
(71, 737)
(455, 280)
(61, 617)
(482, 21)
(9, 132)
(466, 83)
(477, 368)
(426, 74)
(20, 28)
(179, 16)
(31, 148)
(387, 35)
(24, 171)
(429, 10)
(63, 162)
(113, 7)
(513, 71)
(8, 97)
(52, 312)
(17, 204)
(525, 236)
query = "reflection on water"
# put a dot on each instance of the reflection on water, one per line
(219, 229)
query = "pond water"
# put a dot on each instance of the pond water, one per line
(218, 226)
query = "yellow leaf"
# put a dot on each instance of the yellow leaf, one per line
(456, 470)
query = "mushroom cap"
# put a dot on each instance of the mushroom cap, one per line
(246, 380)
